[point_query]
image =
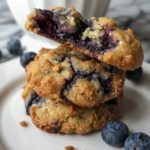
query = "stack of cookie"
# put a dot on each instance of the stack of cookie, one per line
(77, 87)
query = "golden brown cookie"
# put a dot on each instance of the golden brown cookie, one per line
(100, 38)
(55, 117)
(66, 75)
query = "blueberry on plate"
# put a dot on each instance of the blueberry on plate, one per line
(14, 47)
(137, 141)
(26, 58)
(134, 75)
(1, 55)
(115, 133)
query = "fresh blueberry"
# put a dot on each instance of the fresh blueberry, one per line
(115, 133)
(14, 47)
(26, 58)
(1, 55)
(138, 141)
(148, 61)
(134, 75)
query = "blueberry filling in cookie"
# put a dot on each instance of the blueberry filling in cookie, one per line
(89, 75)
(55, 117)
(56, 129)
(33, 99)
(112, 102)
(70, 84)
(54, 124)
(106, 84)
(69, 26)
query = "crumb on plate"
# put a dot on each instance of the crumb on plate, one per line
(23, 123)
(69, 148)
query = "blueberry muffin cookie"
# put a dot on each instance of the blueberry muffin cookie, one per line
(56, 117)
(99, 38)
(66, 75)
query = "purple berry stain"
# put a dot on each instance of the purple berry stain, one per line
(33, 99)
(51, 27)
(106, 84)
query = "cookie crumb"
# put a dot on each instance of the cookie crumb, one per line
(57, 68)
(23, 123)
(69, 148)
(119, 146)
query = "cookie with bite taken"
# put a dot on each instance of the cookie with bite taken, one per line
(100, 38)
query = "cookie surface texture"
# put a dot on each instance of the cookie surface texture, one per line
(55, 117)
(66, 75)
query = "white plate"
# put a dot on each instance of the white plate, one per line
(135, 110)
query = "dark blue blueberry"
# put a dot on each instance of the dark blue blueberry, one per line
(14, 47)
(106, 84)
(56, 129)
(107, 43)
(138, 141)
(112, 102)
(1, 54)
(46, 26)
(26, 58)
(115, 133)
(34, 99)
(148, 61)
(134, 75)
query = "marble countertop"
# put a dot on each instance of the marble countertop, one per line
(9, 30)
(134, 14)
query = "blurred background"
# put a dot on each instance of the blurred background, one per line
(134, 14)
